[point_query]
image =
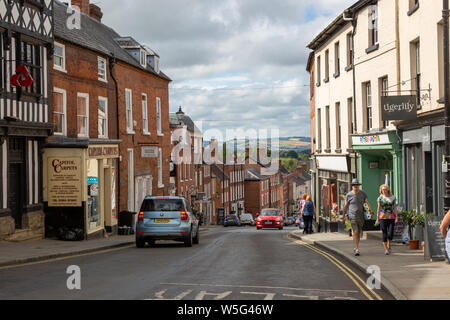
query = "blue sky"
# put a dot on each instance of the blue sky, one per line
(240, 63)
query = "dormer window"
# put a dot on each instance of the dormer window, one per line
(143, 59)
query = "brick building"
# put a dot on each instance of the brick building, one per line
(257, 192)
(110, 112)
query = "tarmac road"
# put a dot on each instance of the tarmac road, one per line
(235, 263)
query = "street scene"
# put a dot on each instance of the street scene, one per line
(224, 150)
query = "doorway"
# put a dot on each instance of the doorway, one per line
(16, 179)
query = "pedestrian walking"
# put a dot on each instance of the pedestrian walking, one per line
(445, 230)
(308, 214)
(354, 203)
(387, 216)
(302, 204)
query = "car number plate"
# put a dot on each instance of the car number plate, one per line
(162, 220)
(268, 222)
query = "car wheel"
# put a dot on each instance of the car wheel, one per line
(189, 240)
(197, 237)
(140, 243)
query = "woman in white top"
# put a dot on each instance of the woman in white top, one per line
(445, 227)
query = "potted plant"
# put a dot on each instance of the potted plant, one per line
(413, 219)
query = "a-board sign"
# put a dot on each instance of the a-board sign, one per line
(434, 241)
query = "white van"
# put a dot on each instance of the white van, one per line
(247, 218)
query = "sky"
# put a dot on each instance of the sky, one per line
(234, 64)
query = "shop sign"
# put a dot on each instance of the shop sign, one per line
(92, 180)
(103, 152)
(374, 165)
(399, 108)
(371, 140)
(332, 163)
(93, 190)
(149, 152)
(64, 182)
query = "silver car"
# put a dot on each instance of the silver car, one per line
(166, 218)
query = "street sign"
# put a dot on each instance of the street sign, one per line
(399, 108)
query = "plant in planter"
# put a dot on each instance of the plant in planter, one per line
(413, 219)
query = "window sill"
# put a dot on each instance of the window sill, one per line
(60, 69)
(146, 133)
(326, 80)
(373, 48)
(103, 80)
(441, 101)
(336, 75)
(318, 84)
(130, 131)
(160, 186)
(350, 150)
(83, 136)
(413, 9)
(348, 68)
(102, 137)
(160, 134)
(338, 150)
(327, 150)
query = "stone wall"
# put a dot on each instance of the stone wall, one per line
(7, 227)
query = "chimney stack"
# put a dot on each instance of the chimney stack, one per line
(95, 12)
(82, 4)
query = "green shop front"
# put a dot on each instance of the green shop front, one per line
(379, 162)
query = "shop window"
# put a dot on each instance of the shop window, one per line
(93, 202)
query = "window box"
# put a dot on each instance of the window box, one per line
(413, 9)
(373, 48)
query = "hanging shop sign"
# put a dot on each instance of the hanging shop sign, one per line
(22, 77)
(64, 182)
(399, 108)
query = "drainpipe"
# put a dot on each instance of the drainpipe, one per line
(445, 15)
(354, 22)
(112, 62)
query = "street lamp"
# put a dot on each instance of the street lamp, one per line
(445, 15)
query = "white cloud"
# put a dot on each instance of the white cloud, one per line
(234, 63)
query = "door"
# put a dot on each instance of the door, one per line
(16, 179)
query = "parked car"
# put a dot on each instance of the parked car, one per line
(166, 218)
(247, 218)
(231, 220)
(291, 220)
(270, 218)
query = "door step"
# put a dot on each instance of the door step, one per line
(22, 235)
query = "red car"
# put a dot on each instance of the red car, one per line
(270, 218)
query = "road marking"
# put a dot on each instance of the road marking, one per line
(346, 270)
(302, 297)
(64, 258)
(255, 287)
(268, 296)
(160, 295)
(218, 296)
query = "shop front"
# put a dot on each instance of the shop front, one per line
(424, 150)
(334, 175)
(80, 189)
(379, 162)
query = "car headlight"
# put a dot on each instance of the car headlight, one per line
(278, 219)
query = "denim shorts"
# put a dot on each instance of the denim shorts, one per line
(357, 225)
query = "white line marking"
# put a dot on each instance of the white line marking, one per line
(268, 296)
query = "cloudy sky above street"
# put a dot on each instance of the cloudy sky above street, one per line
(234, 63)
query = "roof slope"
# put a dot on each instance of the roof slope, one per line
(96, 36)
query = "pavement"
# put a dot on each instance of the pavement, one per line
(17, 253)
(405, 273)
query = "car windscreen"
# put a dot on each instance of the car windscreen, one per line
(162, 205)
(270, 212)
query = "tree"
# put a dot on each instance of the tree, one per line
(292, 154)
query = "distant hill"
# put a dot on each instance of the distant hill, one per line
(299, 144)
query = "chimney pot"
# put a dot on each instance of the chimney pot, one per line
(95, 12)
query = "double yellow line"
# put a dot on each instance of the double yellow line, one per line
(369, 293)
